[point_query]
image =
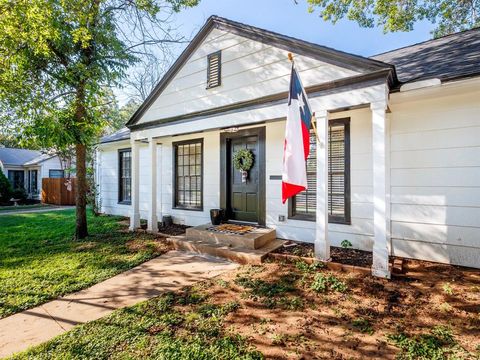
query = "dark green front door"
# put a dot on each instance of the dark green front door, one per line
(244, 196)
(243, 201)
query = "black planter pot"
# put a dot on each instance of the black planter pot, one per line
(216, 216)
(167, 220)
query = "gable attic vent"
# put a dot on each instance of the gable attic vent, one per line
(214, 70)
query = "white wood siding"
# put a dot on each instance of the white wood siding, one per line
(47, 165)
(108, 179)
(360, 232)
(435, 179)
(250, 69)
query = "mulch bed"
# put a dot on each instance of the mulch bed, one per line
(339, 255)
(173, 229)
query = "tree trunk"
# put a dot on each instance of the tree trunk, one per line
(81, 230)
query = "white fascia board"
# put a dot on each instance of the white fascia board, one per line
(420, 84)
(114, 145)
(444, 89)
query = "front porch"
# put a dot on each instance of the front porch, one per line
(365, 104)
(251, 247)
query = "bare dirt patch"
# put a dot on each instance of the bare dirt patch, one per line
(300, 311)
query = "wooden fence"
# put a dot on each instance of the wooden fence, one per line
(58, 191)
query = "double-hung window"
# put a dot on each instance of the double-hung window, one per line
(56, 173)
(303, 205)
(33, 181)
(188, 174)
(17, 178)
(125, 176)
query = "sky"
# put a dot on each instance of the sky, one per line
(287, 18)
(284, 17)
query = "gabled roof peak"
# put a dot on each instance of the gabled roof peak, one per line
(301, 47)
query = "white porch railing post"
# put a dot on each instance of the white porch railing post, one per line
(380, 135)
(152, 209)
(159, 180)
(322, 243)
(135, 211)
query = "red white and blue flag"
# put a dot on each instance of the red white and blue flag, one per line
(297, 139)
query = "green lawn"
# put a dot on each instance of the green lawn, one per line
(39, 260)
(183, 325)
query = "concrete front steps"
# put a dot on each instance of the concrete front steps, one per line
(249, 248)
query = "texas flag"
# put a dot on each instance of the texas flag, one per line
(297, 139)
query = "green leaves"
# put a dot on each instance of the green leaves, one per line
(60, 58)
(401, 15)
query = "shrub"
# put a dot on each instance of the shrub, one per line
(19, 193)
(346, 244)
(5, 188)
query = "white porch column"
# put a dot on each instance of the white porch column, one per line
(322, 244)
(135, 211)
(159, 180)
(380, 135)
(152, 208)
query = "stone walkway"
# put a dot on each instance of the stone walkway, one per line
(165, 273)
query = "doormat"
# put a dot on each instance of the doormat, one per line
(233, 229)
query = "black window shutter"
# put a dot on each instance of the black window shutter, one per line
(303, 205)
(214, 70)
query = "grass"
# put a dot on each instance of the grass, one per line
(324, 283)
(182, 325)
(438, 344)
(39, 260)
(272, 311)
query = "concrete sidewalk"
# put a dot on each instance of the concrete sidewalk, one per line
(36, 210)
(165, 273)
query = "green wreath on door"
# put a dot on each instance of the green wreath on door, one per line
(243, 161)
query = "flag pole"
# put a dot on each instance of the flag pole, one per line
(313, 119)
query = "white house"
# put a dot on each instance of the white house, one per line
(26, 168)
(403, 154)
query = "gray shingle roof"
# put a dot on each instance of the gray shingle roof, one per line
(10, 156)
(122, 134)
(39, 159)
(447, 58)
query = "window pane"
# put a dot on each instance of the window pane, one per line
(188, 174)
(305, 202)
(55, 173)
(125, 173)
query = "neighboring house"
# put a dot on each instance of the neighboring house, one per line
(404, 149)
(26, 168)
